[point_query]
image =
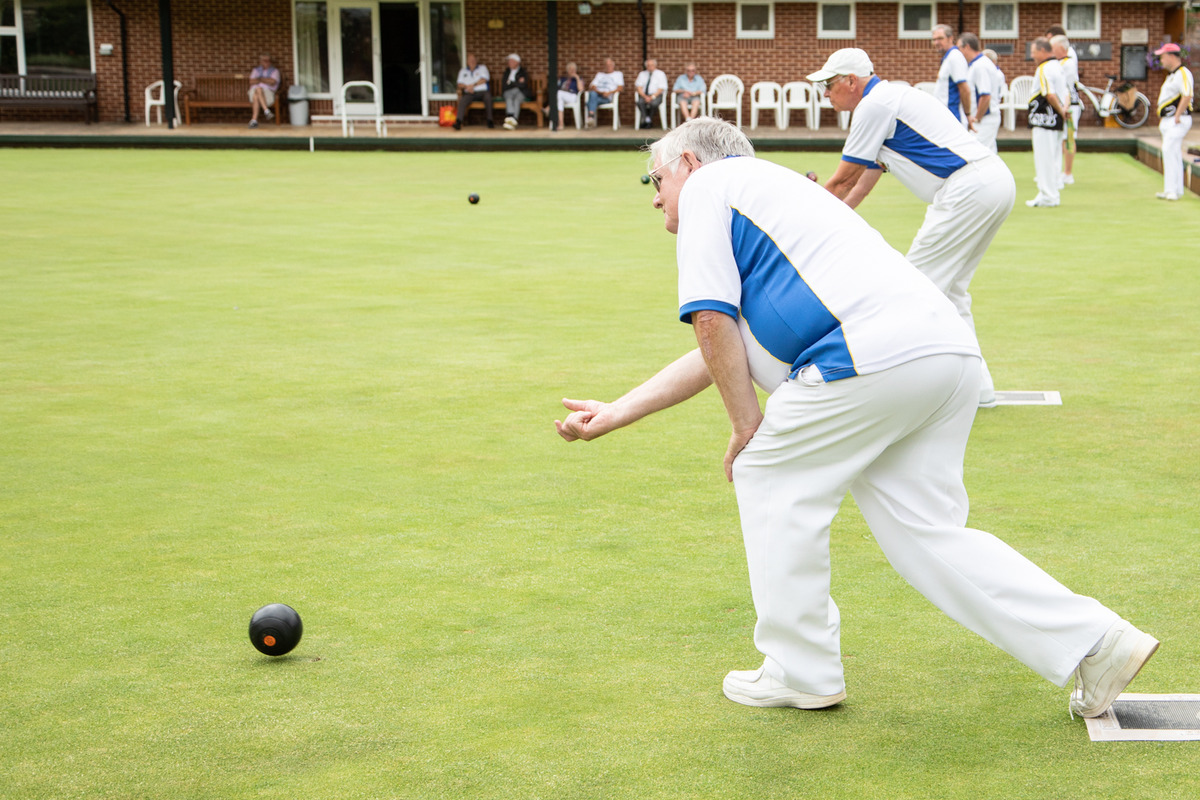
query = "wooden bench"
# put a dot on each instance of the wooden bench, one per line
(50, 91)
(224, 91)
(536, 82)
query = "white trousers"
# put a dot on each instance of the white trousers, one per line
(960, 223)
(1047, 154)
(986, 130)
(894, 439)
(1172, 152)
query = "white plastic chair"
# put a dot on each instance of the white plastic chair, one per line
(156, 98)
(614, 107)
(355, 110)
(662, 113)
(821, 103)
(900, 83)
(575, 108)
(766, 96)
(725, 94)
(675, 108)
(797, 96)
(1019, 92)
(929, 87)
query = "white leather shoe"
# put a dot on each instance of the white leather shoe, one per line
(1100, 678)
(757, 688)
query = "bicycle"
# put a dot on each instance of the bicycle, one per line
(1109, 103)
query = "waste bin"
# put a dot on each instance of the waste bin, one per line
(298, 105)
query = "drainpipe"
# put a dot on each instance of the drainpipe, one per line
(124, 57)
(642, 11)
(552, 68)
(168, 61)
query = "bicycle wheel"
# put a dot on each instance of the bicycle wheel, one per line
(1135, 117)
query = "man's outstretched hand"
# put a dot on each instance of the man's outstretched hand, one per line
(589, 419)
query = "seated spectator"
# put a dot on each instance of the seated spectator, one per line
(603, 89)
(264, 83)
(651, 86)
(689, 89)
(516, 91)
(474, 84)
(569, 87)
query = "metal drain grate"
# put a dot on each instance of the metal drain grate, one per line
(1149, 717)
(1028, 399)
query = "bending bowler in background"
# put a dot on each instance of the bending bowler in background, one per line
(905, 131)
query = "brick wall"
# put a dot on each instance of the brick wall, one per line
(209, 36)
(227, 36)
(615, 29)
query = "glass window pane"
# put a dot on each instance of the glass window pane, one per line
(998, 17)
(312, 46)
(358, 57)
(56, 36)
(756, 18)
(445, 21)
(672, 17)
(835, 18)
(8, 55)
(8, 13)
(918, 17)
(1081, 17)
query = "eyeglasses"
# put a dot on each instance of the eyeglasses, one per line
(655, 179)
(821, 87)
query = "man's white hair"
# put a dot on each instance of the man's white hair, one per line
(1060, 40)
(711, 139)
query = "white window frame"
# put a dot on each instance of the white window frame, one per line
(999, 33)
(17, 31)
(822, 33)
(659, 33)
(427, 48)
(1082, 33)
(922, 34)
(769, 33)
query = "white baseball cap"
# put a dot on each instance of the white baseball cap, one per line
(848, 61)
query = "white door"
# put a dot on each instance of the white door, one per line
(354, 46)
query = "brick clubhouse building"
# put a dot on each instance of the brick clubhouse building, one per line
(413, 49)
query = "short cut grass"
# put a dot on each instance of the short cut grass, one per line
(229, 379)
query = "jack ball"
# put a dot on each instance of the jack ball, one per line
(473, 198)
(645, 179)
(275, 629)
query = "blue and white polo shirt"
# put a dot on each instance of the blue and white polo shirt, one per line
(951, 80)
(911, 135)
(808, 280)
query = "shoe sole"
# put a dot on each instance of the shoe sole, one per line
(1133, 665)
(807, 702)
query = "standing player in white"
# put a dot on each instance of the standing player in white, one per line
(952, 87)
(981, 80)
(1175, 118)
(1060, 45)
(1047, 108)
(872, 379)
(905, 131)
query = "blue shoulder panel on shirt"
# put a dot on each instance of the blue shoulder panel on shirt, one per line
(785, 316)
(924, 153)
